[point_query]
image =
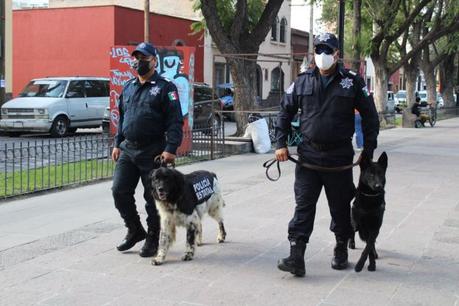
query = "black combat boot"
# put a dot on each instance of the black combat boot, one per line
(295, 262)
(150, 246)
(339, 261)
(135, 233)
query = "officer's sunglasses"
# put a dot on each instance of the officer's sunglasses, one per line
(323, 49)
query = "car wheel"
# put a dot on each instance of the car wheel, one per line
(60, 127)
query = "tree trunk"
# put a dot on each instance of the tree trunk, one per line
(356, 27)
(429, 76)
(243, 73)
(446, 71)
(380, 94)
(411, 73)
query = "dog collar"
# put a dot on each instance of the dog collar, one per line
(371, 195)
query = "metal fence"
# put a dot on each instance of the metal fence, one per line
(28, 166)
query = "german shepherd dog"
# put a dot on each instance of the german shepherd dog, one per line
(368, 208)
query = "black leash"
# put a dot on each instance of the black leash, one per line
(267, 164)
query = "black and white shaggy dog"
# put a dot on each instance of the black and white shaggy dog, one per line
(182, 200)
(368, 208)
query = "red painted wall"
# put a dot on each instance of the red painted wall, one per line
(164, 30)
(77, 41)
(61, 42)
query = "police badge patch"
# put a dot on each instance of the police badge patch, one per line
(154, 91)
(346, 83)
(324, 36)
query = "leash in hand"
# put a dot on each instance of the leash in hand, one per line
(267, 164)
(162, 163)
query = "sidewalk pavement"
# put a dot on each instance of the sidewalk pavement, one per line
(59, 248)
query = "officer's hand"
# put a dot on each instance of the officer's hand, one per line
(116, 154)
(168, 157)
(282, 154)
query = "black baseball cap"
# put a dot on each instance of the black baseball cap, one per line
(145, 48)
(327, 39)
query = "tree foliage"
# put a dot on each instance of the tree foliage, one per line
(226, 10)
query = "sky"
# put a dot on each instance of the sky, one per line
(299, 18)
(300, 13)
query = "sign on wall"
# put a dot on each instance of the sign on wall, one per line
(174, 63)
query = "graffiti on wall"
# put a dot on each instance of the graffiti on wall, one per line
(175, 64)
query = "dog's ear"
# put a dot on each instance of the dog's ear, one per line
(382, 160)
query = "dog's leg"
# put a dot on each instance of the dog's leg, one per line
(216, 213)
(372, 256)
(199, 234)
(352, 241)
(191, 233)
(165, 240)
(362, 259)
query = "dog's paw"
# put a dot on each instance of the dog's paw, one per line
(372, 267)
(188, 256)
(157, 261)
(359, 266)
(221, 238)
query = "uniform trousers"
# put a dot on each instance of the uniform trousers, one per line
(132, 165)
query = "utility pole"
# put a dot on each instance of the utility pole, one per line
(147, 21)
(341, 29)
(311, 29)
(2, 50)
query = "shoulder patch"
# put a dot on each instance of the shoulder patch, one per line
(365, 91)
(289, 90)
(173, 96)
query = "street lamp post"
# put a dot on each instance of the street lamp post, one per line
(341, 28)
(147, 21)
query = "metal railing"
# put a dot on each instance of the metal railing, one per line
(28, 166)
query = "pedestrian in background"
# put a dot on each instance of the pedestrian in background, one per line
(150, 124)
(358, 130)
(327, 96)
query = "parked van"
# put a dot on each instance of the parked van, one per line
(57, 105)
(390, 103)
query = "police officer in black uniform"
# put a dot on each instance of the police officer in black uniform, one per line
(325, 96)
(150, 124)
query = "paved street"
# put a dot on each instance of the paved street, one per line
(58, 248)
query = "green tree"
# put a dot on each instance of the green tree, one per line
(239, 27)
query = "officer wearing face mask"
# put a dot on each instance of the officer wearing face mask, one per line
(325, 96)
(150, 124)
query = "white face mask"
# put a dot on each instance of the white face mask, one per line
(324, 61)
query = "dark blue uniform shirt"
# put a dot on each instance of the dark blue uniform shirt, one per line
(150, 114)
(327, 110)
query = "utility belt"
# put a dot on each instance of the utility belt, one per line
(327, 146)
(137, 144)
